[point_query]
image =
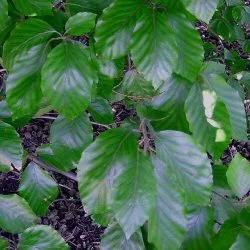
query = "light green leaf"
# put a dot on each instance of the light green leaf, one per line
(115, 27)
(134, 192)
(67, 79)
(25, 35)
(98, 167)
(154, 49)
(167, 221)
(80, 23)
(189, 163)
(190, 49)
(241, 242)
(10, 148)
(34, 7)
(3, 13)
(238, 175)
(23, 83)
(101, 110)
(233, 102)
(111, 68)
(200, 228)
(69, 138)
(4, 244)
(208, 119)
(15, 214)
(114, 238)
(95, 6)
(41, 237)
(38, 189)
(202, 9)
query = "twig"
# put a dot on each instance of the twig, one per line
(3, 70)
(42, 164)
(101, 125)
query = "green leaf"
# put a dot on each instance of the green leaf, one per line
(134, 84)
(10, 148)
(4, 244)
(15, 214)
(208, 119)
(241, 242)
(115, 27)
(38, 189)
(167, 221)
(202, 9)
(25, 35)
(101, 110)
(111, 68)
(154, 48)
(80, 23)
(98, 167)
(114, 238)
(200, 228)
(134, 192)
(227, 235)
(190, 49)
(170, 103)
(41, 237)
(3, 13)
(67, 79)
(189, 163)
(34, 7)
(69, 138)
(59, 161)
(234, 105)
(238, 175)
(23, 83)
(95, 6)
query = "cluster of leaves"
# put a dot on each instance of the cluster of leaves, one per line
(150, 180)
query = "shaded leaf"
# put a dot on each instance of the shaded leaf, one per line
(4, 244)
(15, 214)
(3, 13)
(38, 189)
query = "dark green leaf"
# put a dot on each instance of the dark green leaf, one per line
(38, 189)
(101, 110)
(25, 35)
(41, 237)
(67, 79)
(4, 244)
(167, 221)
(23, 83)
(3, 13)
(114, 238)
(34, 7)
(15, 214)
(188, 162)
(10, 148)
(80, 23)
